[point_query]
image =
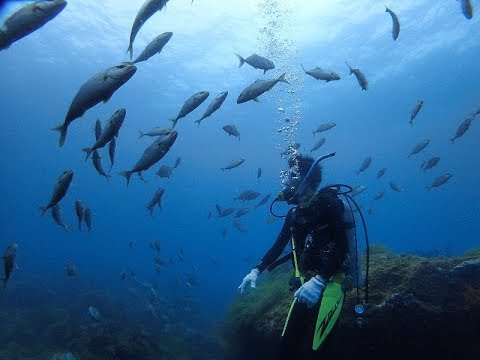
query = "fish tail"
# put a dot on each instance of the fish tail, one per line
(283, 79)
(43, 209)
(127, 175)
(452, 140)
(174, 122)
(130, 50)
(198, 121)
(108, 177)
(303, 67)
(79, 226)
(428, 188)
(140, 134)
(88, 151)
(63, 133)
(150, 210)
(241, 59)
(67, 229)
(351, 70)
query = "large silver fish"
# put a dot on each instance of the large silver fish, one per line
(381, 172)
(233, 164)
(111, 152)
(462, 128)
(97, 164)
(191, 104)
(165, 171)
(148, 8)
(27, 19)
(395, 187)
(257, 62)
(158, 131)
(214, 106)
(9, 259)
(395, 23)
(318, 144)
(419, 147)
(60, 189)
(79, 210)
(247, 195)
(156, 200)
(362, 80)
(439, 181)
(467, 8)
(98, 129)
(87, 217)
(155, 47)
(98, 88)
(324, 127)
(109, 132)
(366, 163)
(231, 130)
(253, 91)
(320, 74)
(416, 109)
(430, 163)
(358, 190)
(263, 201)
(152, 154)
(57, 217)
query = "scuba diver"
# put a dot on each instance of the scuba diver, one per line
(321, 230)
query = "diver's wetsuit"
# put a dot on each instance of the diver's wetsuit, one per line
(321, 245)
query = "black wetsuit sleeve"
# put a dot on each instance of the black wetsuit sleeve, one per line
(282, 240)
(332, 260)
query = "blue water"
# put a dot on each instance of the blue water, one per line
(434, 59)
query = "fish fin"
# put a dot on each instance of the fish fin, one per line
(36, 7)
(303, 68)
(130, 50)
(141, 134)
(452, 140)
(107, 98)
(127, 175)
(256, 100)
(351, 70)
(88, 151)
(264, 71)
(283, 79)
(174, 122)
(150, 210)
(328, 80)
(198, 121)
(241, 59)
(67, 229)
(141, 176)
(63, 133)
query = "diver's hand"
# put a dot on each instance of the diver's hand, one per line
(250, 278)
(310, 292)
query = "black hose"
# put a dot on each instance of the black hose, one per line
(271, 209)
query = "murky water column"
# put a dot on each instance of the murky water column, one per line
(276, 26)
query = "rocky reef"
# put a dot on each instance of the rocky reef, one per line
(417, 306)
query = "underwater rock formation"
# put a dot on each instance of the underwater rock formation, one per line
(417, 306)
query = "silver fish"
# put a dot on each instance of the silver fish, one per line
(108, 133)
(98, 129)
(430, 163)
(358, 190)
(395, 187)
(98, 88)
(247, 195)
(395, 23)
(191, 104)
(177, 162)
(97, 164)
(227, 212)
(233, 164)
(439, 181)
(165, 171)
(366, 163)
(152, 154)
(379, 195)
(79, 210)
(231, 130)
(318, 144)
(156, 200)
(158, 131)
(148, 8)
(381, 172)
(257, 62)
(467, 8)
(324, 127)
(111, 152)
(419, 147)
(71, 270)
(415, 111)
(263, 201)
(87, 217)
(60, 189)
(239, 226)
(362, 80)
(214, 106)
(253, 91)
(94, 313)
(320, 74)
(155, 47)
(241, 212)
(259, 174)
(28, 19)
(57, 217)
(9, 260)
(462, 129)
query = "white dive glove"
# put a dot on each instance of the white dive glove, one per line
(250, 278)
(310, 292)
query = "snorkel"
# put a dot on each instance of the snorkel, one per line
(292, 196)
